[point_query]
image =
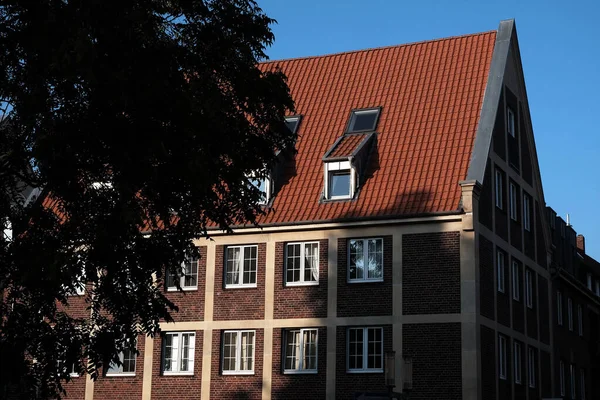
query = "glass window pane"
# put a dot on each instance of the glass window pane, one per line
(356, 259)
(375, 267)
(190, 267)
(363, 120)
(232, 266)
(229, 350)
(355, 348)
(292, 360)
(293, 262)
(340, 184)
(311, 262)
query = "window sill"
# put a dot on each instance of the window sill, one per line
(240, 286)
(365, 281)
(296, 284)
(364, 371)
(74, 375)
(300, 372)
(230, 373)
(502, 377)
(124, 375)
(184, 289)
(167, 373)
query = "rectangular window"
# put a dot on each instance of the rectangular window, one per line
(261, 180)
(559, 308)
(363, 120)
(238, 352)
(517, 361)
(582, 383)
(241, 266)
(499, 179)
(597, 288)
(127, 368)
(580, 319)
(502, 356)
(562, 378)
(531, 366)
(589, 282)
(510, 122)
(570, 313)
(512, 192)
(516, 286)
(500, 270)
(300, 351)
(189, 277)
(178, 353)
(526, 212)
(529, 288)
(572, 380)
(552, 220)
(339, 184)
(302, 263)
(365, 260)
(365, 349)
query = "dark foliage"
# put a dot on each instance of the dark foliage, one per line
(139, 121)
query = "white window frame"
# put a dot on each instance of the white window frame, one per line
(500, 262)
(339, 167)
(572, 379)
(259, 176)
(365, 277)
(114, 370)
(570, 313)
(365, 357)
(238, 353)
(531, 367)
(516, 287)
(562, 378)
(526, 212)
(529, 288)
(512, 191)
(499, 184)
(559, 308)
(517, 362)
(302, 281)
(502, 367)
(301, 352)
(582, 383)
(510, 126)
(241, 262)
(191, 348)
(171, 287)
(580, 319)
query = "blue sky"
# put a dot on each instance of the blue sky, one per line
(560, 50)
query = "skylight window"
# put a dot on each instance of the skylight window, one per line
(292, 123)
(363, 120)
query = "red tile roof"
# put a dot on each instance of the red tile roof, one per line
(431, 95)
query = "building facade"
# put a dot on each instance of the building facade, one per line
(410, 218)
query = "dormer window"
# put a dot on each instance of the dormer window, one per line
(364, 120)
(292, 123)
(262, 181)
(340, 183)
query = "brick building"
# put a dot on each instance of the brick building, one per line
(411, 218)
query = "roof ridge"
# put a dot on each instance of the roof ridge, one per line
(379, 48)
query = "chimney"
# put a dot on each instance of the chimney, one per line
(581, 243)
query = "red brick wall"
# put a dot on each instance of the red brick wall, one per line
(182, 387)
(120, 387)
(242, 387)
(348, 384)
(436, 354)
(488, 363)
(191, 302)
(75, 389)
(239, 303)
(431, 273)
(375, 297)
(300, 301)
(77, 305)
(304, 386)
(486, 278)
